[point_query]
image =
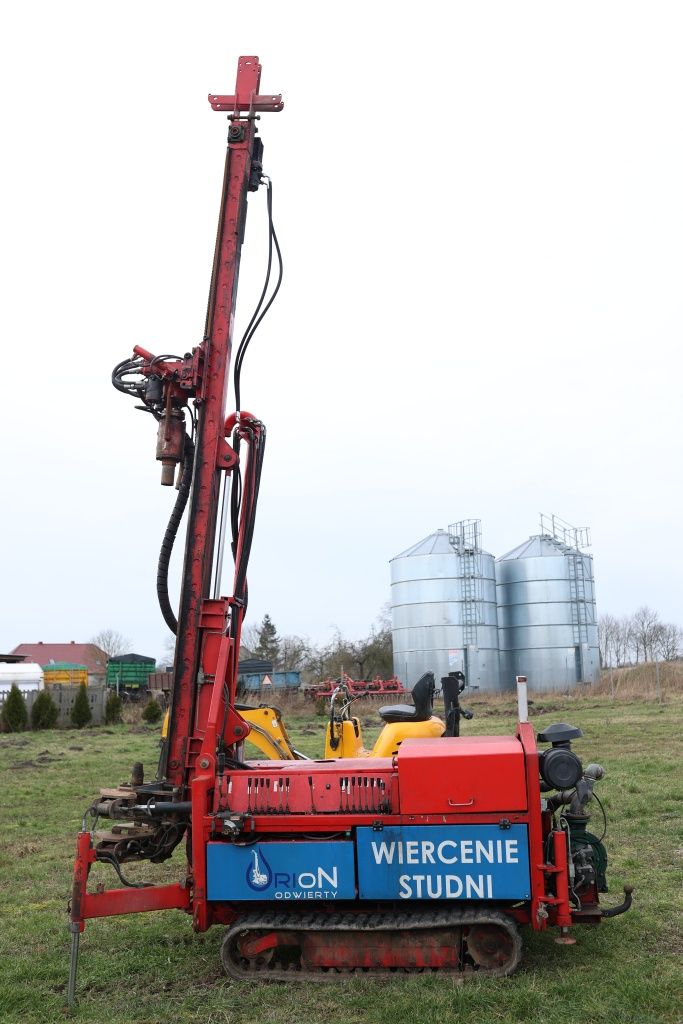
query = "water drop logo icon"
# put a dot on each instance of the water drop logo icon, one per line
(259, 875)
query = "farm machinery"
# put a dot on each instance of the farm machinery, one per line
(376, 689)
(428, 857)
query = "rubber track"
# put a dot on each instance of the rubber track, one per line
(447, 918)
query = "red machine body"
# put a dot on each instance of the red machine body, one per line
(446, 794)
(469, 781)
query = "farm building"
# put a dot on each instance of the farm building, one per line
(93, 657)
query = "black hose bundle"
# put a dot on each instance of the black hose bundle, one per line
(247, 490)
(247, 508)
(260, 310)
(171, 533)
(244, 492)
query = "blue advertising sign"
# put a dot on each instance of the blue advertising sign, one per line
(443, 862)
(281, 871)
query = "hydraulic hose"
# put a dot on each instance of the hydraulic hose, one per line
(170, 536)
(621, 908)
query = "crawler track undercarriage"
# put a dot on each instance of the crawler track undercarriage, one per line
(322, 947)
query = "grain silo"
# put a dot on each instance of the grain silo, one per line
(443, 608)
(547, 620)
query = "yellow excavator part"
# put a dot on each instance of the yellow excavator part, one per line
(345, 738)
(268, 731)
(269, 734)
(393, 734)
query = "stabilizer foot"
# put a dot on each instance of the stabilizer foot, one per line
(73, 966)
(564, 938)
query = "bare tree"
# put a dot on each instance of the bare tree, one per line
(361, 652)
(646, 628)
(168, 653)
(366, 657)
(383, 645)
(608, 639)
(294, 653)
(670, 641)
(249, 639)
(383, 621)
(319, 661)
(623, 640)
(111, 642)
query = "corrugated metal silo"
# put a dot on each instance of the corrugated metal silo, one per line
(443, 608)
(547, 619)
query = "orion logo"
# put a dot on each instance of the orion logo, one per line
(259, 874)
(288, 885)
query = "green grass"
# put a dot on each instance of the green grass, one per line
(151, 967)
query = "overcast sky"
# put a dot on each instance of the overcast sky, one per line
(481, 214)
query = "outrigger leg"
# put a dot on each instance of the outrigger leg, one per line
(73, 966)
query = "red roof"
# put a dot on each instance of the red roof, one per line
(94, 659)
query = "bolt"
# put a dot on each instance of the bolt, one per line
(203, 762)
(238, 730)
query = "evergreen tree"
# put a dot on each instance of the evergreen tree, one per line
(268, 645)
(44, 713)
(80, 712)
(152, 712)
(113, 709)
(14, 713)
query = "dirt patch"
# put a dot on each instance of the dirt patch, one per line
(25, 849)
(40, 762)
(206, 981)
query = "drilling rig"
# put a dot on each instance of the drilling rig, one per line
(428, 859)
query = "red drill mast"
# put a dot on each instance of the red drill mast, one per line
(203, 718)
(209, 628)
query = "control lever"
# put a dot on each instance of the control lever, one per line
(452, 686)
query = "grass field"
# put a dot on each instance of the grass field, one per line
(152, 968)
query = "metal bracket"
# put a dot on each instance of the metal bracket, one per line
(246, 97)
(226, 457)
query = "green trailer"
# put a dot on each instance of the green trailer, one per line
(128, 674)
